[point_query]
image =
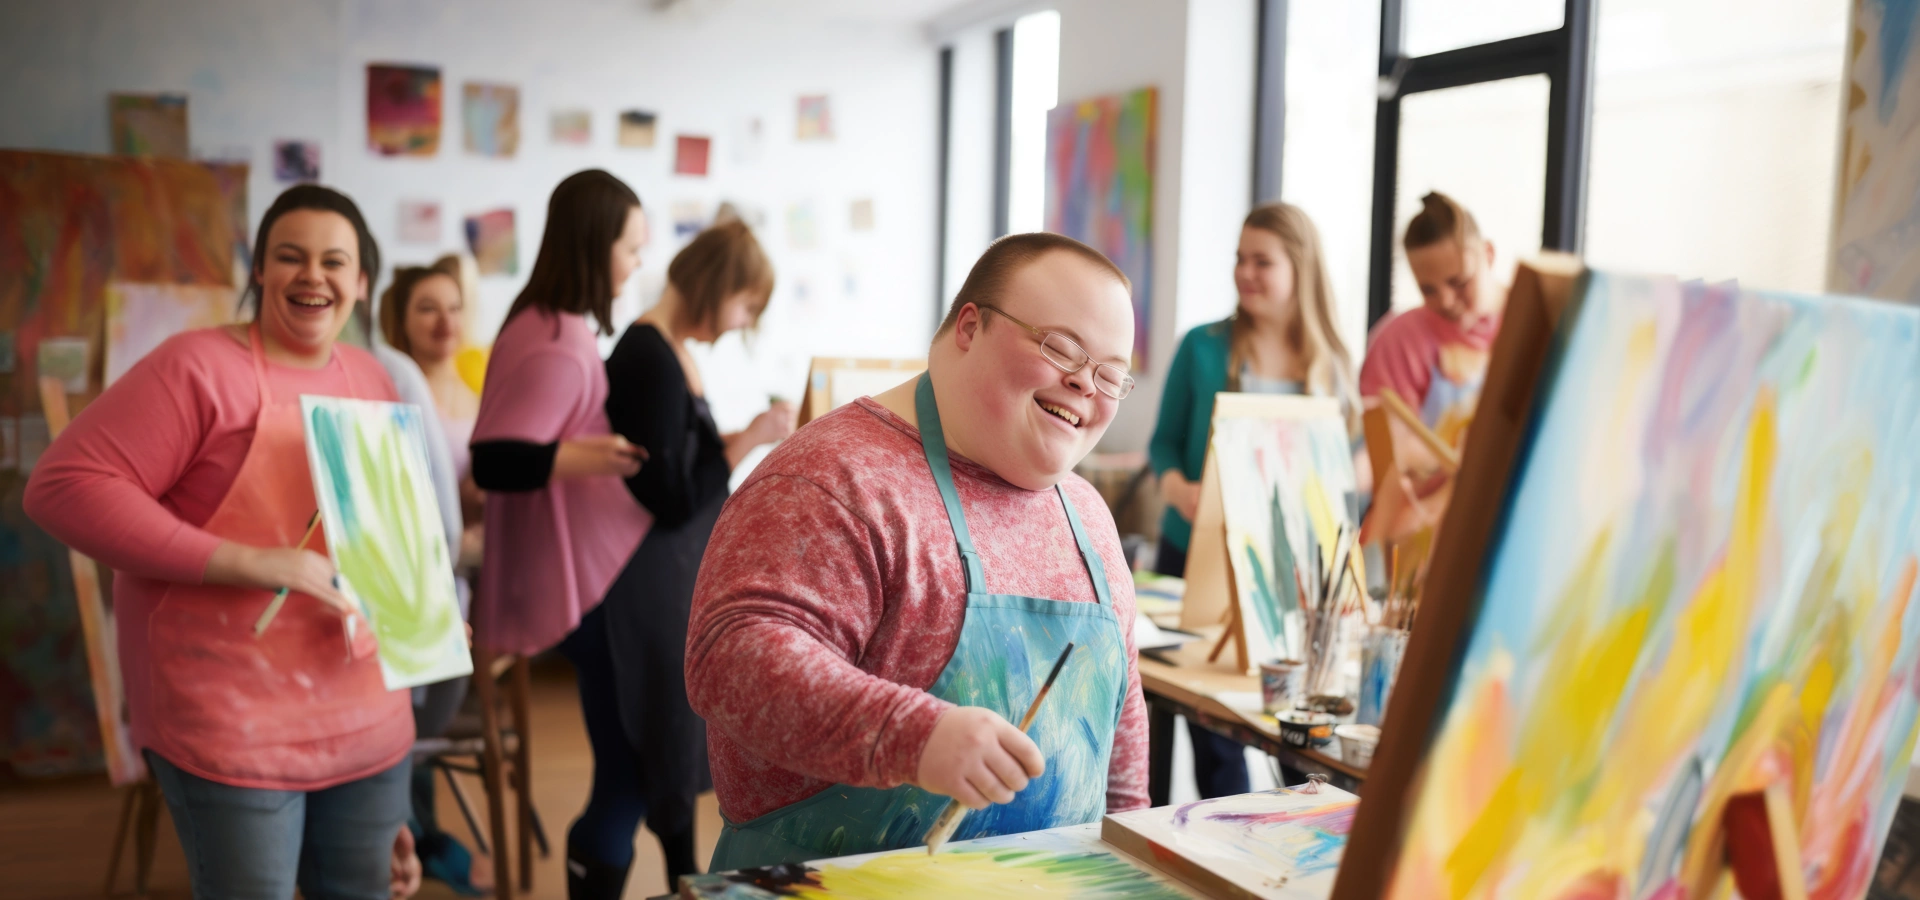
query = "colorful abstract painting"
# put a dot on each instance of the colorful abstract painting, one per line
(812, 119)
(1275, 845)
(149, 124)
(1876, 230)
(490, 237)
(571, 126)
(690, 155)
(403, 110)
(1702, 587)
(70, 226)
(636, 128)
(1100, 165)
(1066, 862)
(140, 317)
(296, 161)
(490, 119)
(383, 528)
(1287, 487)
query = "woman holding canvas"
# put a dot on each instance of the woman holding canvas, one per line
(282, 757)
(1281, 339)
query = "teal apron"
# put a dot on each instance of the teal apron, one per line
(1007, 644)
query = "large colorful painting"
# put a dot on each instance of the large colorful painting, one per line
(1273, 845)
(1702, 587)
(403, 110)
(1876, 246)
(1100, 171)
(1068, 862)
(384, 530)
(69, 227)
(1287, 489)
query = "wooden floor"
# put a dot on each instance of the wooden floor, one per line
(55, 836)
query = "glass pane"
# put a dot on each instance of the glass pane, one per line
(1436, 25)
(1484, 145)
(1036, 89)
(1728, 127)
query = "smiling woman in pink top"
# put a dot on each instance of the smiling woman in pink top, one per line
(560, 523)
(283, 760)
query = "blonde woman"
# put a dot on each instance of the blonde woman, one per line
(1280, 339)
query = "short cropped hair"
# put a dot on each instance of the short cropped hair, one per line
(1005, 258)
(722, 261)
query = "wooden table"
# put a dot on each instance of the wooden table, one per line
(1187, 685)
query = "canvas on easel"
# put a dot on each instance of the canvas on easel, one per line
(1278, 485)
(833, 382)
(1670, 611)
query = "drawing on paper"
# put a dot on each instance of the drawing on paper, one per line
(1100, 173)
(1276, 845)
(140, 317)
(419, 222)
(1287, 487)
(490, 119)
(383, 529)
(495, 248)
(296, 161)
(812, 120)
(1707, 570)
(403, 110)
(636, 128)
(1067, 863)
(690, 155)
(149, 124)
(571, 126)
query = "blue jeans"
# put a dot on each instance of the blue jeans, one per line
(248, 843)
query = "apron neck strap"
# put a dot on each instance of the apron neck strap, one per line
(934, 441)
(259, 363)
(1096, 567)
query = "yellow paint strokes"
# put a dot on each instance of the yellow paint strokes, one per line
(1465, 770)
(1735, 773)
(1487, 838)
(1320, 516)
(973, 874)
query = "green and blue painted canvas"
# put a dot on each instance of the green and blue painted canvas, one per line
(383, 525)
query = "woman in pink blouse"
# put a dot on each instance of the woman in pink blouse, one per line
(560, 523)
(282, 756)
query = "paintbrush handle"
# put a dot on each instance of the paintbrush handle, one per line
(945, 826)
(273, 609)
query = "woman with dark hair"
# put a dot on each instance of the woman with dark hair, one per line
(719, 282)
(560, 526)
(283, 763)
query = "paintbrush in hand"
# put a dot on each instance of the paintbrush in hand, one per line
(280, 599)
(949, 821)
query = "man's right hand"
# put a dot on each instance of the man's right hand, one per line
(977, 758)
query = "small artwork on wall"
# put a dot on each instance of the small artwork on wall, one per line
(490, 114)
(860, 216)
(689, 218)
(690, 155)
(403, 110)
(419, 222)
(491, 239)
(636, 128)
(803, 230)
(149, 124)
(296, 161)
(813, 122)
(747, 140)
(572, 126)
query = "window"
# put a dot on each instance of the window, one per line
(1036, 90)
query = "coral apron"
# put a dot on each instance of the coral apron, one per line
(289, 710)
(1007, 645)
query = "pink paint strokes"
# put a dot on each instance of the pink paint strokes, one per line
(403, 110)
(1275, 845)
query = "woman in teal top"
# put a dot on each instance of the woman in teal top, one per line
(1281, 339)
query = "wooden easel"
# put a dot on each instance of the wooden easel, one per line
(834, 381)
(1212, 595)
(140, 797)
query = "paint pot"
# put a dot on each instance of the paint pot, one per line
(1281, 681)
(1300, 728)
(1357, 743)
(1332, 704)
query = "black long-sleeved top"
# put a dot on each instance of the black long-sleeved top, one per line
(650, 403)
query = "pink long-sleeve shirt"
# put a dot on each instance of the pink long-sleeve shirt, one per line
(132, 479)
(831, 598)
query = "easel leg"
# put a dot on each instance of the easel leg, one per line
(490, 771)
(523, 767)
(127, 796)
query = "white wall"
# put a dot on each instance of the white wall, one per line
(256, 71)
